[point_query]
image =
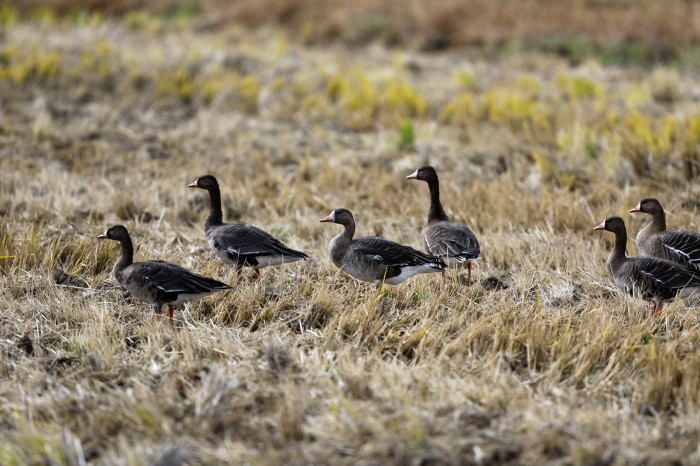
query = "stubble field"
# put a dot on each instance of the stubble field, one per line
(541, 361)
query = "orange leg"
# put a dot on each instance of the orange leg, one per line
(239, 276)
(256, 274)
(443, 275)
(469, 273)
(170, 313)
(657, 309)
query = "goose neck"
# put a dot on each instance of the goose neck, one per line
(436, 212)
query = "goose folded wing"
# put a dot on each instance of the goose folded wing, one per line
(247, 240)
(665, 274)
(461, 247)
(172, 278)
(393, 254)
(453, 240)
(682, 246)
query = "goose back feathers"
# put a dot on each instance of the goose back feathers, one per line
(375, 260)
(680, 246)
(157, 282)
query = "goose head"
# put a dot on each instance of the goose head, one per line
(204, 182)
(341, 216)
(648, 206)
(116, 233)
(613, 224)
(426, 173)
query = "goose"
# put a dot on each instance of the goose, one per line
(654, 240)
(240, 244)
(452, 242)
(376, 260)
(650, 278)
(157, 282)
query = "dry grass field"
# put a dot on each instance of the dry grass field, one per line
(541, 361)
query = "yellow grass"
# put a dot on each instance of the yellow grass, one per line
(309, 366)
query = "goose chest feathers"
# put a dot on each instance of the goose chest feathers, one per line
(649, 278)
(240, 244)
(157, 282)
(452, 242)
(654, 240)
(376, 260)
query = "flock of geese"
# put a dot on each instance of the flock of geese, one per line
(669, 268)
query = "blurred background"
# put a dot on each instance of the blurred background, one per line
(613, 30)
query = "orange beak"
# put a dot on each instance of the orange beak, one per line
(600, 227)
(327, 219)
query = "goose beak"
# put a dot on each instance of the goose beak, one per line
(327, 219)
(103, 236)
(413, 176)
(193, 185)
(600, 227)
(635, 209)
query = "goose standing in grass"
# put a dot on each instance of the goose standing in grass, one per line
(158, 282)
(452, 242)
(376, 260)
(650, 278)
(240, 244)
(654, 240)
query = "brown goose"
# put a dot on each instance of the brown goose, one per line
(155, 281)
(376, 260)
(650, 278)
(654, 240)
(240, 244)
(452, 242)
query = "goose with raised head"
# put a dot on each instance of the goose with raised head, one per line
(453, 242)
(655, 240)
(157, 282)
(376, 260)
(649, 278)
(240, 244)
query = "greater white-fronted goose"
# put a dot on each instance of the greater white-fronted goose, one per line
(158, 282)
(452, 242)
(240, 244)
(654, 240)
(649, 278)
(376, 260)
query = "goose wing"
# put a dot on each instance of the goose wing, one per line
(389, 253)
(658, 278)
(240, 239)
(171, 278)
(681, 246)
(452, 239)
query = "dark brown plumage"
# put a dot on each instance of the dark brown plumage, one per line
(655, 240)
(158, 282)
(452, 242)
(376, 260)
(240, 244)
(649, 278)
